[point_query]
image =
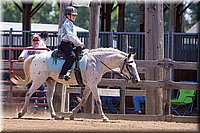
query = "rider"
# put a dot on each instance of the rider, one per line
(69, 40)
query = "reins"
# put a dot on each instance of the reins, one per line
(120, 74)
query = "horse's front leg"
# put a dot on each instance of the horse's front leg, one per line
(51, 89)
(99, 104)
(86, 93)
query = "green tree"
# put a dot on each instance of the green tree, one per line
(47, 14)
(82, 19)
(192, 16)
(131, 23)
(114, 18)
(10, 13)
(166, 21)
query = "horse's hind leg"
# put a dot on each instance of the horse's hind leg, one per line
(86, 93)
(51, 89)
(31, 90)
(38, 78)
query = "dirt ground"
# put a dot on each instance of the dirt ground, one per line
(41, 122)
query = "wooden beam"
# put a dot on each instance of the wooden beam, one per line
(172, 25)
(120, 26)
(93, 42)
(179, 18)
(129, 92)
(36, 8)
(62, 17)
(57, 100)
(185, 8)
(154, 50)
(141, 64)
(135, 117)
(102, 16)
(123, 84)
(94, 24)
(108, 16)
(17, 5)
(26, 23)
(115, 7)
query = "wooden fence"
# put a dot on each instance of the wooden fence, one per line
(127, 88)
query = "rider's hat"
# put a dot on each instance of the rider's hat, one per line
(70, 10)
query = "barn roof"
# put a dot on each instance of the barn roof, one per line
(194, 28)
(35, 27)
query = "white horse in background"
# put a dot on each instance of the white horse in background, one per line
(99, 62)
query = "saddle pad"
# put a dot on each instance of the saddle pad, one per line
(53, 65)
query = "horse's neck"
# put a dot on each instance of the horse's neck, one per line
(111, 59)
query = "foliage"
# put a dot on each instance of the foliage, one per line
(83, 17)
(192, 12)
(166, 21)
(114, 19)
(131, 23)
(10, 12)
(47, 14)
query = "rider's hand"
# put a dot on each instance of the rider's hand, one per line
(82, 45)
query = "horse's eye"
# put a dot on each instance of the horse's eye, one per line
(129, 65)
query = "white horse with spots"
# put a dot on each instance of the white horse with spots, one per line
(99, 62)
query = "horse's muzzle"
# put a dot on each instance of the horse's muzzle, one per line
(134, 79)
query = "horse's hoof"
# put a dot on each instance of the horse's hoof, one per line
(105, 120)
(20, 114)
(57, 117)
(71, 117)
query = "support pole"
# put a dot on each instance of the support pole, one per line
(93, 43)
(154, 50)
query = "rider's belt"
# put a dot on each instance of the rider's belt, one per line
(67, 41)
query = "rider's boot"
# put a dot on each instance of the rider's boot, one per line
(79, 77)
(67, 76)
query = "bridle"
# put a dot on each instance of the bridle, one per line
(126, 63)
(121, 74)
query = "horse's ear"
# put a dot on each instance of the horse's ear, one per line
(134, 54)
(129, 55)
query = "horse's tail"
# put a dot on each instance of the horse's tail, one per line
(26, 67)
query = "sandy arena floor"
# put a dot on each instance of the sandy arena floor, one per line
(41, 122)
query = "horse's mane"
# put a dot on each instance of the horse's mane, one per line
(108, 50)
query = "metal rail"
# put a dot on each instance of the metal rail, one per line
(10, 71)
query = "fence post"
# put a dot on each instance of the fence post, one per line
(167, 89)
(57, 97)
(10, 42)
(10, 58)
(122, 100)
(154, 50)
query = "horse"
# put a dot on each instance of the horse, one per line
(99, 61)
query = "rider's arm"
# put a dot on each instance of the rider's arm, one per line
(70, 34)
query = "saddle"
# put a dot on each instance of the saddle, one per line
(58, 54)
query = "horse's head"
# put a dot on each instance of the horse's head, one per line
(129, 68)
